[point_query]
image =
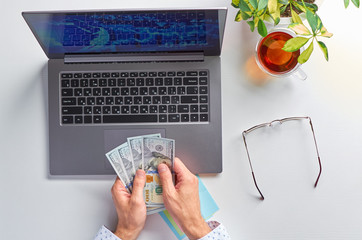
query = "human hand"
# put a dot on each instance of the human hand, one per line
(131, 208)
(182, 200)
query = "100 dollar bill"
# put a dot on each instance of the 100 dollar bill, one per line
(156, 151)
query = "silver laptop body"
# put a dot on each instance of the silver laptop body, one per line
(78, 141)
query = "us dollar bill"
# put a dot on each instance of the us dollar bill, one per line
(115, 160)
(135, 145)
(156, 151)
(126, 158)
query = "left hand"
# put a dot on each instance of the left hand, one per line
(131, 208)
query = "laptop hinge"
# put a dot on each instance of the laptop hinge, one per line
(133, 57)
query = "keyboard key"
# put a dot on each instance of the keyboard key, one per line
(67, 119)
(124, 74)
(204, 118)
(158, 81)
(203, 108)
(153, 109)
(115, 110)
(149, 81)
(131, 82)
(190, 81)
(192, 90)
(100, 100)
(143, 109)
(153, 91)
(124, 91)
(96, 75)
(78, 92)
(129, 118)
(183, 108)
(87, 92)
(97, 119)
(125, 109)
(143, 74)
(97, 110)
(203, 90)
(203, 81)
(171, 74)
(67, 75)
(175, 99)
(121, 82)
(106, 75)
(162, 109)
(69, 101)
(194, 117)
(194, 108)
(72, 110)
(65, 83)
(162, 91)
(166, 100)
(109, 100)
(137, 100)
(172, 108)
(185, 118)
(115, 92)
(114, 74)
(87, 119)
(68, 92)
(168, 81)
(162, 118)
(119, 100)
(91, 101)
(180, 74)
(103, 82)
(171, 90)
(191, 73)
(96, 91)
(78, 119)
(134, 74)
(87, 110)
(174, 118)
(106, 110)
(161, 74)
(177, 81)
(203, 99)
(134, 91)
(134, 109)
(93, 82)
(203, 73)
(84, 82)
(156, 100)
(74, 83)
(112, 82)
(152, 74)
(146, 100)
(181, 90)
(106, 91)
(140, 82)
(143, 91)
(87, 75)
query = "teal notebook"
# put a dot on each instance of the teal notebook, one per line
(208, 208)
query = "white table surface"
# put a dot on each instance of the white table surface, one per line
(33, 206)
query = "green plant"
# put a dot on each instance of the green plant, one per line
(255, 12)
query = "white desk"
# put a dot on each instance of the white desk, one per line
(32, 206)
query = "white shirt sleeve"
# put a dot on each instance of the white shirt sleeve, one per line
(218, 232)
(105, 234)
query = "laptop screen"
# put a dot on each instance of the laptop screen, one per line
(135, 31)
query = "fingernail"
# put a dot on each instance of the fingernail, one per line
(162, 168)
(140, 173)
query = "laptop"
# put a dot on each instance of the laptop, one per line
(114, 74)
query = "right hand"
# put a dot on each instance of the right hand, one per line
(182, 200)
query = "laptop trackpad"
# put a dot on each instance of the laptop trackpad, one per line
(114, 138)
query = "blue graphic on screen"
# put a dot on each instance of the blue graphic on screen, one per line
(115, 32)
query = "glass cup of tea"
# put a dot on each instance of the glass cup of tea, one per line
(273, 60)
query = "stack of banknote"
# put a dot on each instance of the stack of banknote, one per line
(144, 152)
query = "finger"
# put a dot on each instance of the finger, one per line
(180, 169)
(166, 178)
(118, 185)
(138, 184)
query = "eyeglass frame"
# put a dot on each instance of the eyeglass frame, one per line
(281, 121)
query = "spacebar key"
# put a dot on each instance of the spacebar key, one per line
(129, 118)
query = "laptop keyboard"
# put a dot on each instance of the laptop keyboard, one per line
(134, 97)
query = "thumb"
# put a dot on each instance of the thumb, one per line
(138, 184)
(166, 178)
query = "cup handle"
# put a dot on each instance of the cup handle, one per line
(300, 74)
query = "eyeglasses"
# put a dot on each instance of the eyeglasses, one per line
(270, 124)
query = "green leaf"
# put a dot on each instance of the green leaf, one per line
(262, 4)
(262, 29)
(295, 17)
(235, 3)
(272, 6)
(238, 16)
(319, 23)
(244, 6)
(324, 49)
(311, 6)
(245, 16)
(346, 3)
(356, 3)
(312, 20)
(299, 6)
(304, 56)
(282, 9)
(254, 3)
(300, 29)
(251, 25)
(294, 44)
(325, 33)
(284, 2)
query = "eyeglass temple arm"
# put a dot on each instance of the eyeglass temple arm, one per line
(251, 167)
(316, 147)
